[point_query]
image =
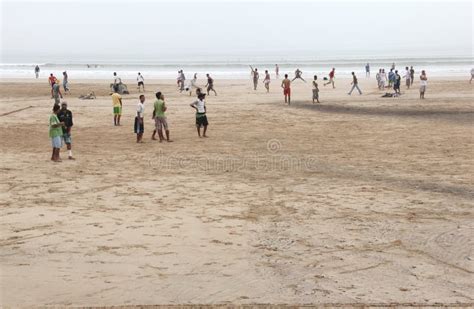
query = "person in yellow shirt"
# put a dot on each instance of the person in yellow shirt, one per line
(117, 105)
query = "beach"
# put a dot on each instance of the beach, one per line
(359, 200)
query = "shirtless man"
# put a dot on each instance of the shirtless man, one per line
(210, 84)
(285, 84)
(266, 81)
(298, 73)
(255, 77)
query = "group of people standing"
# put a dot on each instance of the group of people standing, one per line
(393, 80)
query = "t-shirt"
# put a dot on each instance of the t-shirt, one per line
(66, 117)
(140, 78)
(423, 82)
(54, 132)
(200, 105)
(159, 112)
(52, 80)
(331, 74)
(116, 99)
(315, 85)
(56, 89)
(140, 109)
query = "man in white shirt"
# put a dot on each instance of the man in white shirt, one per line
(141, 82)
(201, 118)
(139, 126)
(407, 77)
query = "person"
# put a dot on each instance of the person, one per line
(117, 105)
(37, 71)
(407, 77)
(315, 89)
(117, 81)
(52, 80)
(397, 82)
(255, 77)
(191, 85)
(423, 84)
(178, 79)
(210, 84)
(383, 79)
(55, 133)
(277, 71)
(201, 119)
(141, 82)
(66, 83)
(378, 78)
(182, 79)
(266, 81)
(393, 65)
(65, 116)
(354, 84)
(331, 78)
(298, 73)
(391, 78)
(472, 75)
(57, 93)
(412, 75)
(160, 118)
(139, 125)
(286, 85)
(367, 70)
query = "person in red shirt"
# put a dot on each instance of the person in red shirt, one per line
(331, 78)
(52, 80)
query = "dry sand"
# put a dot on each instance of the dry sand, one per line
(357, 200)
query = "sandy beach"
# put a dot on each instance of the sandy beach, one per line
(357, 200)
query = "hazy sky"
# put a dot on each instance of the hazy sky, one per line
(156, 28)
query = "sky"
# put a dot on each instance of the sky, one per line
(129, 29)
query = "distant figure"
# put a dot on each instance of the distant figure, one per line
(277, 71)
(331, 78)
(65, 116)
(383, 79)
(66, 83)
(37, 71)
(52, 80)
(117, 105)
(139, 125)
(55, 133)
(255, 77)
(472, 75)
(393, 65)
(117, 80)
(178, 79)
(210, 84)
(315, 89)
(391, 78)
(201, 117)
(298, 74)
(378, 78)
(286, 84)
(397, 82)
(182, 79)
(407, 77)
(412, 75)
(141, 82)
(423, 84)
(266, 81)
(354, 84)
(367, 70)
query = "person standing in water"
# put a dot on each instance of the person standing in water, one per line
(37, 71)
(315, 89)
(423, 84)
(331, 78)
(286, 85)
(266, 81)
(255, 77)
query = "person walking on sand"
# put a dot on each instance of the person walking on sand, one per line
(57, 93)
(367, 70)
(298, 74)
(140, 82)
(37, 71)
(315, 89)
(277, 71)
(255, 77)
(201, 118)
(52, 80)
(210, 84)
(117, 106)
(65, 116)
(55, 133)
(407, 77)
(139, 125)
(331, 78)
(423, 84)
(396, 83)
(160, 118)
(266, 81)
(286, 85)
(412, 75)
(66, 83)
(354, 84)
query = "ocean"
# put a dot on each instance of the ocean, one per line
(233, 67)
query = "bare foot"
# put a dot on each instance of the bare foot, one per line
(71, 158)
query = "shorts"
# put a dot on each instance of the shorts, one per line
(138, 127)
(201, 120)
(161, 122)
(422, 89)
(117, 110)
(210, 87)
(408, 82)
(67, 138)
(315, 94)
(56, 142)
(287, 91)
(141, 84)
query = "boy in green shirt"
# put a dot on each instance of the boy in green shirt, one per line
(55, 133)
(160, 118)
